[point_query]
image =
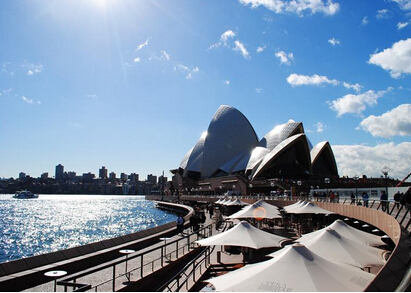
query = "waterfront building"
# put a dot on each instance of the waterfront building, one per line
(102, 173)
(134, 177)
(112, 176)
(22, 175)
(59, 172)
(44, 176)
(88, 177)
(152, 178)
(230, 157)
(123, 177)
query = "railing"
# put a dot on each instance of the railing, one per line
(148, 261)
(183, 277)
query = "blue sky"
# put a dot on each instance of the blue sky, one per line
(131, 85)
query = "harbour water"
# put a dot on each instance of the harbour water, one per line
(53, 222)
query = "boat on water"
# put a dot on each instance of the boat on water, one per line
(25, 194)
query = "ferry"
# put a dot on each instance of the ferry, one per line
(25, 194)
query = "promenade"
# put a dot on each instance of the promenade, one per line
(168, 256)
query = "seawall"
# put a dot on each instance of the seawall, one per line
(28, 272)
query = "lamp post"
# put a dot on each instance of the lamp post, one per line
(384, 170)
(327, 181)
(355, 178)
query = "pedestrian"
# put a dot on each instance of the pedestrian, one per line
(365, 198)
(180, 224)
(384, 201)
(397, 199)
(352, 198)
(211, 211)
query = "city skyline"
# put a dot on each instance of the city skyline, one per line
(133, 84)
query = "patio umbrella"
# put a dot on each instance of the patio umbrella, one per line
(309, 208)
(258, 210)
(349, 232)
(244, 235)
(295, 269)
(237, 202)
(295, 205)
(333, 246)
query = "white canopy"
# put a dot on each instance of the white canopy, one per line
(258, 210)
(236, 202)
(349, 232)
(294, 205)
(245, 235)
(295, 269)
(308, 208)
(333, 246)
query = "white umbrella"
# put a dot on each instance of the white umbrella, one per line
(244, 235)
(333, 246)
(237, 202)
(295, 205)
(295, 269)
(309, 208)
(258, 210)
(351, 233)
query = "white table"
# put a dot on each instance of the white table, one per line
(127, 252)
(55, 275)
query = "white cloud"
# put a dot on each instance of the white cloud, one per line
(226, 82)
(27, 100)
(364, 21)
(334, 41)
(396, 122)
(284, 57)
(142, 45)
(319, 126)
(298, 7)
(164, 55)
(261, 49)
(402, 25)
(356, 104)
(397, 59)
(92, 96)
(229, 34)
(258, 90)
(356, 87)
(239, 47)
(75, 125)
(366, 160)
(32, 68)
(383, 14)
(298, 80)
(137, 59)
(185, 69)
(404, 4)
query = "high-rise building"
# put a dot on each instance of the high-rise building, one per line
(152, 178)
(123, 177)
(112, 176)
(44, 176)
(134, 177)
(59, 172)
(22, 175)
(102, 173)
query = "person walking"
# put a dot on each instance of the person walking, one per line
(384, 201)
(180, 224)
(365, 198)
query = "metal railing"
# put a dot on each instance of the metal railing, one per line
(147, 261)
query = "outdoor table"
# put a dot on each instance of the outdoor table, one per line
(55, 275)
(127, 252)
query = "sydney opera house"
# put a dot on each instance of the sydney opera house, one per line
(229, 156)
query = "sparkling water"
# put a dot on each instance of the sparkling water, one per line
(53, 222)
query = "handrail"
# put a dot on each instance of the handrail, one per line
(71, 279)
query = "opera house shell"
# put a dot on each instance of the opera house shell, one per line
(231, 146)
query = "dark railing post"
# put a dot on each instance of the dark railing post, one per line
(142, 266)
(114, 278)
(177, 249)
(399, 210)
